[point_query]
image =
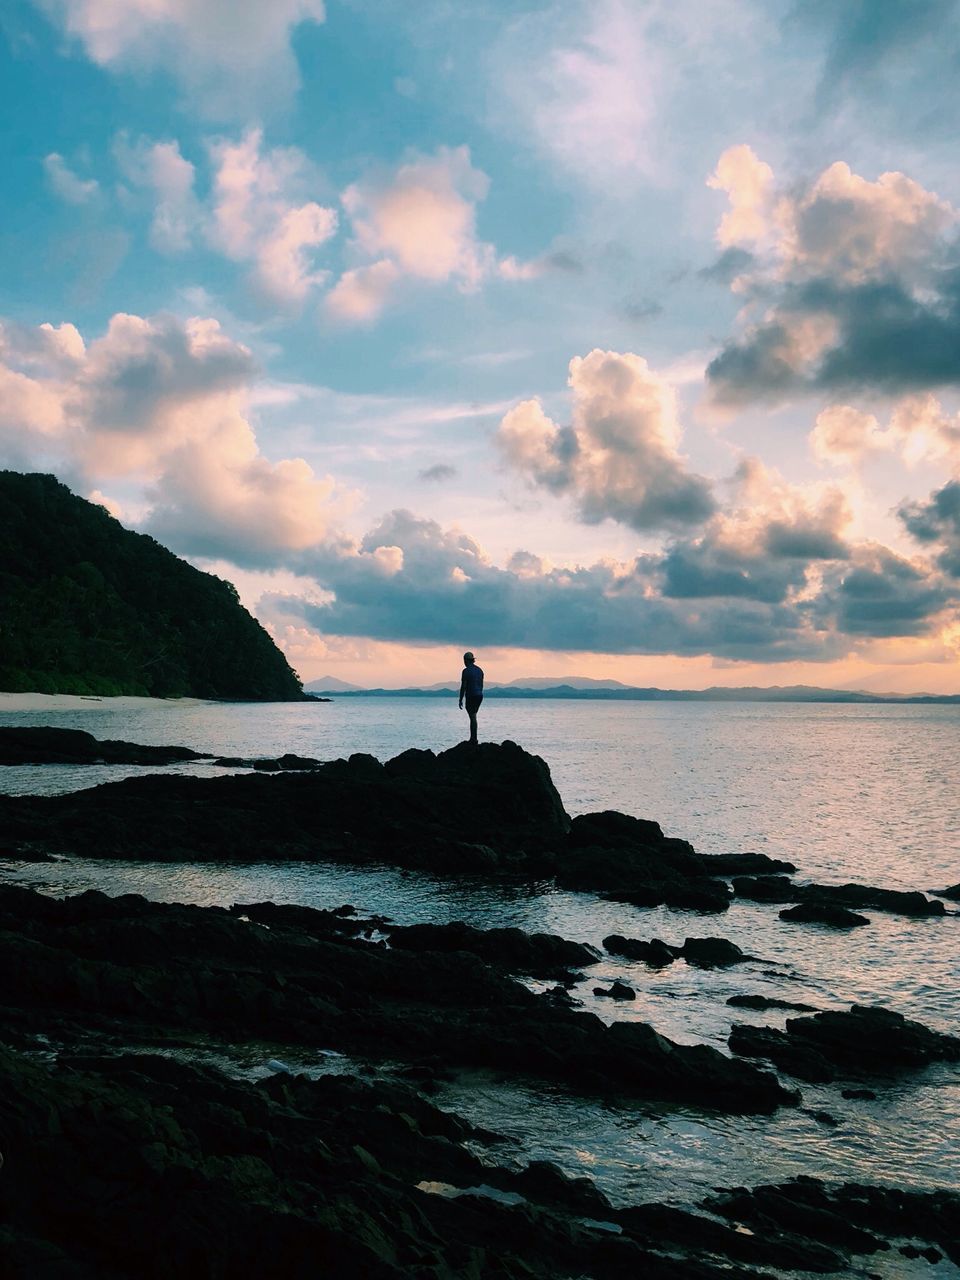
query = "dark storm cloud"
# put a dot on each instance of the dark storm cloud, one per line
(882, 595)
(886, 339)
(937, 521)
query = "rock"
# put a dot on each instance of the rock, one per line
(852, 896)
(768, 1002)
(349, 810)
(853, 1217)
(823, 913)
(862, 1041)
(616, 991)
(858, 1095)
(953, 893)
(744, 864)
(41, 745)
(712, 953)
(786, 1055)
(655, 953)
(119, 965)
(764, 888)
(824, 1118)
(537, 954)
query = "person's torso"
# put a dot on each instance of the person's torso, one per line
(473, 681)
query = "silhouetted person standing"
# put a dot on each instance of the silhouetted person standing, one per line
(471, 689)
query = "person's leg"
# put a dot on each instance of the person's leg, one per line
(473, 706)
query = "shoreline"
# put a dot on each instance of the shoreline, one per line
(109, 999)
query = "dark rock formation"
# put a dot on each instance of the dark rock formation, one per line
(953, 893)
(823, 913)
(419, 810)
(745, 864)
(538, 954)
(712, 953)
(703, 953)
(834, 1045)
(112, 964)
(656, 953)
(850, 896)
(616, 991)
(30, 745)
(851, 1217)
(768, 1002)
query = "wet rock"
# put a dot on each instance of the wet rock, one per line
(953, 893)
(764, 888)
(850, 896)
(825, 1118)
(41, 745)
(786, 1055)
(858, 1095)
(116, 964)
(712, 953)
(862, 1041)
(768, 1002)
(616, 991)
(744, 864)
(823, 913)
(537, 954)
(854, 1217)
(655, 953)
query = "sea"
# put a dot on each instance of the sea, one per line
(865, 793)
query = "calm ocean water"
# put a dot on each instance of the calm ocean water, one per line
(865, 793)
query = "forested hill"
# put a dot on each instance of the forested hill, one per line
(87, 606)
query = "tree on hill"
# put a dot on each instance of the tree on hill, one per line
(87, 606)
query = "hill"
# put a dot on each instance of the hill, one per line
(89, 607)
(602, 692)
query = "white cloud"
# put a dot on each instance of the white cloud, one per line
(919, 430)
(162, 403)
(160, 169)
(257, 215)
(360, 295)
(230, 57)
(620, 458)
(66, 184)
(416, 222)
(749, 185)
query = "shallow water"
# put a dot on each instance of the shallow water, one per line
(847, 793)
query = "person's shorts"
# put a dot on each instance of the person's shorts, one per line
(473, 704)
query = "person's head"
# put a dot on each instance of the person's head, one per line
(469, 658)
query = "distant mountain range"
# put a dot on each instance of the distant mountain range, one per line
(584, 688)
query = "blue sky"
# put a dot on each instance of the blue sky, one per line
(618, 339)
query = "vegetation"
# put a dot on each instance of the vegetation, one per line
(87, 606)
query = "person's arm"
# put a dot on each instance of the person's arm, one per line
(463, 686)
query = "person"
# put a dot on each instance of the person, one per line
(471, 689)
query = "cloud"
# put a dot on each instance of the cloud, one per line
(162, 402)
(852, 284)
(256, 217)
(936, 524)
(410, 580)
(229, 57)
(66, 184)
(620, 458)
(881, 594)
(919, 430)
(441, 471)
(160, 169)
(416, 222)
(762, 548)
(587, 96)
(360, 295)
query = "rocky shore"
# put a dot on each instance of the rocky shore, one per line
(128, 1153)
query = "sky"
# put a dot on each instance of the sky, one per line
(617, 339)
